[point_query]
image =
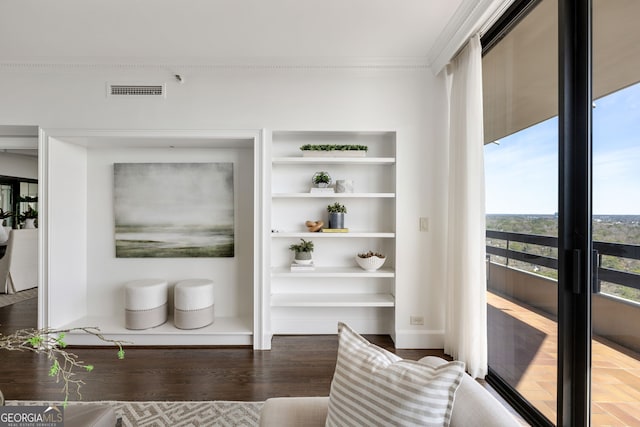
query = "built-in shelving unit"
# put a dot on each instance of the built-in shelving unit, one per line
(307, 302)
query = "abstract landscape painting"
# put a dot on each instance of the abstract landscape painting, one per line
(174, 210)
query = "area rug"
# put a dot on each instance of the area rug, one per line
(8, 299)
(175, 414)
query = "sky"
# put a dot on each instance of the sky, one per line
(521, 172)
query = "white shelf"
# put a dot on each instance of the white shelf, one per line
(223, 331)
(350, 234)
(333, 160)
(332, 300)
(332, 272)
(333, 195)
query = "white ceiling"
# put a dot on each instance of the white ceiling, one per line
(205, 31)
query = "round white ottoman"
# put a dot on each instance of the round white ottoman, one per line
(145, 303)
(193, 303)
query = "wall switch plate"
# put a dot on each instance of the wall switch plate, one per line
(416, 320)
(424, 223)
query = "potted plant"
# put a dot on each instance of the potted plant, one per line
(321, 179)
(29, 217)
(4, 236)
(4, 215)
(336, 215)
(334, 150)
(302, 252)
(370, 261)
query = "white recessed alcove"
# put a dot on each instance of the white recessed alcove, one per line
(81, 278)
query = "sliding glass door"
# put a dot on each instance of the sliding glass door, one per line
(564, 287)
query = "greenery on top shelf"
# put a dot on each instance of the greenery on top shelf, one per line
(333, 147)
(4, 215)
(336, 208)
(305, 246)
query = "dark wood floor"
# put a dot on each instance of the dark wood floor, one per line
(296, 366)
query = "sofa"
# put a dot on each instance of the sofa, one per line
(473, 406)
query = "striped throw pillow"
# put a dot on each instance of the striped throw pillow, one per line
(373, 387)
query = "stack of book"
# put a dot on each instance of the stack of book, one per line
(335, 230)
(302, 267)
(322, 190)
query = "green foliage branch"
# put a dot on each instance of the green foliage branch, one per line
(65, 365)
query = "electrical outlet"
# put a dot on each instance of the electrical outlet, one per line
(424, 223)
(416, 320)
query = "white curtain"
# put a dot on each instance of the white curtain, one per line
(466, 304)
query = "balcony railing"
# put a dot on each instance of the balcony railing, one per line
(615, 311)
(600, 249)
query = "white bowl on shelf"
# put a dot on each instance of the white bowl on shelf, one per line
(371, 263)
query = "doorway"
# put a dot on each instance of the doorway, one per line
(19, 203)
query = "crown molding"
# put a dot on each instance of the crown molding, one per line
(472, 16)
(265, 63)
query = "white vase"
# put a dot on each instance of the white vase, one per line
(29, 223)
(4, 234)
(344, 186)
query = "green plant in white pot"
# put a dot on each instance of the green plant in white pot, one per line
(370, 260)
(302, 252)
(321, 179)
(334, 150)
(4, 235)
(336, 215)
(29, 218)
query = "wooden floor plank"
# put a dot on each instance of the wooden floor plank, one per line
(296, 366)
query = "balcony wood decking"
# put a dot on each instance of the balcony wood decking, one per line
(524, 352)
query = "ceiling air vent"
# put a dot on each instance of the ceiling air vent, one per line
(136, 90)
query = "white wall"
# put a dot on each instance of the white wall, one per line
(410, 100)
(66, 205)
(18, 166)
